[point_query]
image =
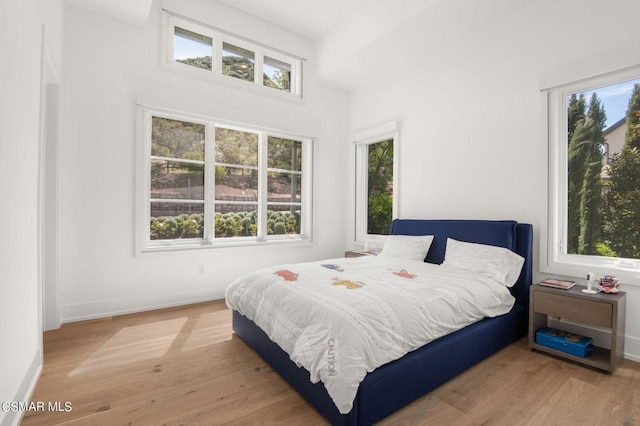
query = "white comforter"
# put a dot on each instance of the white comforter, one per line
(342, 318)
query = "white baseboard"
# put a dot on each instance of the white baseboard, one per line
(25, 390)
(632, 348)
(122, 306)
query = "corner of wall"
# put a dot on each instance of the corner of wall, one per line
(24, 391)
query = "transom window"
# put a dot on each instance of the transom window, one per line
(238, 62)
(205, 182)
(594, 199)
(199, 50)
(193, 49)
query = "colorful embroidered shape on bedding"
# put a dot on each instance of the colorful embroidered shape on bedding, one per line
(287, 275)
(351, 285)
(333, 266)
(404, 274)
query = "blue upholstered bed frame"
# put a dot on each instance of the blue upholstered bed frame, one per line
(400, 382)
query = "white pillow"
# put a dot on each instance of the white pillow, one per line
(374, 243)
(407, 246)
(497, 263)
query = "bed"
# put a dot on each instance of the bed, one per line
(396, 383)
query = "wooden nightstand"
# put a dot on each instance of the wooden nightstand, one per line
(601, 310)
(358, 253)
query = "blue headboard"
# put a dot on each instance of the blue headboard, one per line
(517, 237)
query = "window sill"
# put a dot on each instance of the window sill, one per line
(247, 86)
(182, 247)
(627, 271)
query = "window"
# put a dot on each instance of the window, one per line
(206, 182)
(284, 180)
(238, 62)
(177, 179)
(277, 74)
(376, 180)
(594, 197)
(198, 50)
(192, 49)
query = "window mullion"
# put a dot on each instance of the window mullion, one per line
(361, 191)
(258, 67)
(169, 24)
(262, 186)
(216, 61)
(144, 179)
(210, 183)
(295, 85)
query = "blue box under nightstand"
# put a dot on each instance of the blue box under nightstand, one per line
(564, 341)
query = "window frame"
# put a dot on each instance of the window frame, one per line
(219, 37)
(169, 49)
(144, 243)
(361, 142)
(553, 256)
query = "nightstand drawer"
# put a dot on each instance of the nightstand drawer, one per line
(572, 308)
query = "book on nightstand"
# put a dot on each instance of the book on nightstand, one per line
(556, 283)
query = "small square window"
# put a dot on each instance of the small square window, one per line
(235, 147)
(277, 74)
(238, 62)
(235, 220)
(192, 48)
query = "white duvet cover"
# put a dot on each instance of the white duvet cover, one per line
(342, 318)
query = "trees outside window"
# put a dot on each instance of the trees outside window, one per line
(205, 182)
(376, 180)
(380, 187)
(198, 50)
(621, 210)
(603, 191)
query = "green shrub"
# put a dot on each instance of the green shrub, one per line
(192, 227)
(246, 225)
(230, 224)
(220, 225)
(233, 226)
(279, 228)
(604, 250)
(163, 228)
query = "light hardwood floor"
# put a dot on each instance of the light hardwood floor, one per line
(184, 366)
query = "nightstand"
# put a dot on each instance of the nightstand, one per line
(359, 253)
(600, 310)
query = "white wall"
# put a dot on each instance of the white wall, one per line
(21, 30)
(110, 65)
(463, 78)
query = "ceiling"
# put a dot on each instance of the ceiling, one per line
(133, 11)
(310, 18)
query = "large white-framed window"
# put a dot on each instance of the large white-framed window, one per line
(196, 49)
(205, 182)
(593, 220)
(376, 192)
